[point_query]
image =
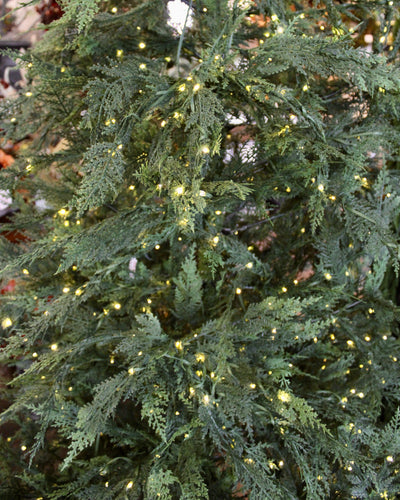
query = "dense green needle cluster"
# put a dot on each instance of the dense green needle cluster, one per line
(207, 221)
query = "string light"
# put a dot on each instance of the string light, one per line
(6, 323)
(66, 289)
(238, 291)
(120, 53)
(205, 150)
(142, 45)
(196, 87)
(215, 240)
(179, 190)
(249, 265)
(328, 276)
(25, 271)
(54, 347)
(129, 485)
(321, 188)
(182, 88)
(131, 371)
(284, 396)
(114, 10)
(200, 357)
(178, 345)
(252, 386)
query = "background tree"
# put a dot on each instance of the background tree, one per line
(204, 295)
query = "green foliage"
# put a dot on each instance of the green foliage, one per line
(203, 255)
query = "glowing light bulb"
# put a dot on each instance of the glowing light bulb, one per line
(328, 276)
(249, 265)
(205, 150)
(129, 485)
(120, 53)
(142, 45)
(252, 386)
(6, 323)
(238, 291)
(142, 66)
(215, 240)
(179, 190)
(200, 357)
(178, 345)
(321, 187)
(284, 396)
(196, 87)
(117, 306)
(54, 347)
(131, 371)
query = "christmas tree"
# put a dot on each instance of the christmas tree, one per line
(200, 291)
